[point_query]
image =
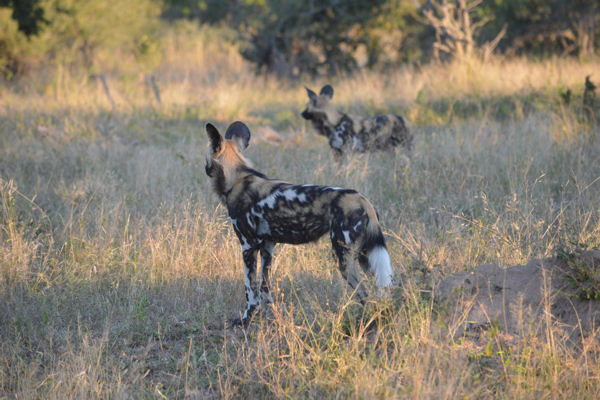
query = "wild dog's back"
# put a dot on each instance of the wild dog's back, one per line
(384, 132)
(285, 213)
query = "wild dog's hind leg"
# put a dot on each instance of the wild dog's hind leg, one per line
(364, 263)
(266, 255)
(349, 270)
(345, 247)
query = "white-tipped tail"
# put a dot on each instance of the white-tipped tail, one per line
(379, 262)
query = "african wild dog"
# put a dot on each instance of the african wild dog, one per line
(265, 211)
(345, 132)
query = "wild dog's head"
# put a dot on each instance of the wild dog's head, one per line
(224, 160)
(320, 111)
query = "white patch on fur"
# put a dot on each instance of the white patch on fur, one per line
(291, 195)
(380, 265)
(346, 236)
(251, 298)
(245, 244)
(357, 144)
(270, 200)
(359, 223)
(336, 141)
(288, 194)
(263, 228)
(252, 225)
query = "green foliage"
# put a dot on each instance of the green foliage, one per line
(582, 268)
(292, 39)
(210, 11)
(542, 26)
(11, 44)
(81, 33)
(283, 37)
(29, 18)
(585, 279)
(336, 36)
(28, 14)
(400, 36)
(84, 28)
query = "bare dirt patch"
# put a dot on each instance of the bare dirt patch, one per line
(560, 292)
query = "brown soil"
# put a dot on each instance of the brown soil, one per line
(525, 299)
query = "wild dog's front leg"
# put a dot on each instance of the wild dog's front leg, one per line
(336, 145)
(252, 300)
(337, 156)
(266, 255)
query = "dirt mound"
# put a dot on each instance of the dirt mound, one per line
(525, 299)
(269, 135)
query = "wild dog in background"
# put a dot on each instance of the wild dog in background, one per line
(347, 132)
(265, 211)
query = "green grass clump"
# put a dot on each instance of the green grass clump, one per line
(582, 268)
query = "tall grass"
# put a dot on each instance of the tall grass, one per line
(118, 267)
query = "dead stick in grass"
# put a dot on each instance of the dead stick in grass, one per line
(106, 89)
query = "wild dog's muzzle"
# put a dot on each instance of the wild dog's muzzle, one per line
(306, 115)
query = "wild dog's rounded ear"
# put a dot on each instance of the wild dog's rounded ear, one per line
(239, 132)
(311, 94)
(214, 136)
(327, 91)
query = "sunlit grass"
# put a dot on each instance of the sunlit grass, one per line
(118, 267)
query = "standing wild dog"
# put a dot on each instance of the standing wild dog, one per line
(265, 211)
(344, 131)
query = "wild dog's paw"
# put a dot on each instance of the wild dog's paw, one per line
(266, 298)
(239, 322)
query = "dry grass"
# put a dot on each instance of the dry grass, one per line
(118, 267)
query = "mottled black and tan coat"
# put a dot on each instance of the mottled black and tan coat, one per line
(266, 211)
(347, 132)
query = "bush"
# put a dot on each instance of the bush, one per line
(83, 33)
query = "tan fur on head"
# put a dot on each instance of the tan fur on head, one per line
(322, 104)
(227, 162)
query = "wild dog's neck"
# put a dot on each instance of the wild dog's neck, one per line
(242, 173)
(329, 122)
(344, 118)
(334, 117)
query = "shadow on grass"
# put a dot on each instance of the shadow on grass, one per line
(167, 336)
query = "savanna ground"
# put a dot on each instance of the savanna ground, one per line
(118, 267)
